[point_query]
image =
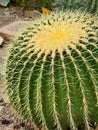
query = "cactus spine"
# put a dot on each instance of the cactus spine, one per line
(52, 72)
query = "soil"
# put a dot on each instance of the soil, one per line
(7, 119)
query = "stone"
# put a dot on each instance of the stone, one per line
(11, 30)
(32, 13)
(1, 40)
(4, 2)
(6, 13)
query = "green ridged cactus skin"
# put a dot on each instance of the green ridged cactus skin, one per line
(52, 72)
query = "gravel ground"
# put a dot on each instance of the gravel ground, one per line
(7, 119)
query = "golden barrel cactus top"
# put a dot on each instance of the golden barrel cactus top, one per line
(63, 30)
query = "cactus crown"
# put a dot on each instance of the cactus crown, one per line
(59, 35)
(52, 72)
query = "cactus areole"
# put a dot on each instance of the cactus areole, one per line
(52, 72)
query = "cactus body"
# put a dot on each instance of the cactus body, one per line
(52, 72)
(90, 6)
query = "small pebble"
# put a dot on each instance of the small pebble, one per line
(22, 124)
(7, 13)
(16, 127)
(1, 41)
(1, 100)
(6, 122)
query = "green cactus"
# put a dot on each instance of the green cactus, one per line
(90, 6)
(52, 72)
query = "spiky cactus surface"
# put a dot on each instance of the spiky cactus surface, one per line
(52, 72)
(90, 6)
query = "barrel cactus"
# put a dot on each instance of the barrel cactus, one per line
(52, 72)
(90, 6)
